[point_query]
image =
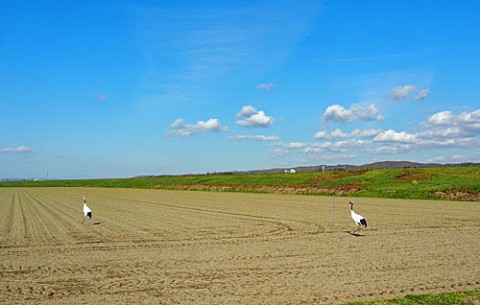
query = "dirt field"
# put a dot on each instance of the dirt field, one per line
(175, 247)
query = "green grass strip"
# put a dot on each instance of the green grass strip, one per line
(470, 297)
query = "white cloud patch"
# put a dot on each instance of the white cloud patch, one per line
(447, 124)
(294, 145)
(322, 134)
(336, 134)
(261, 138)
(422, 94)
(17, 150)
(180, 129)
(339, 134)
(393, 149)
(393, 136)
(321, 147)
(365, 133)
(265, 86)
(251, 117)
(339, 114)
(399, 93)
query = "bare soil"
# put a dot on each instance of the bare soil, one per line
(177, 247)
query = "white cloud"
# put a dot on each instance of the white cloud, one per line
(246, 112)
(255, 137)
(294, 145)
(336, 134)
(265, 86)
(322, 147)
(322, 134)
(339, 114)
(365, 133)
(467, 142)
(251, 117)
(441, 118)
(448, 124)
(338, 146)
(443, 132)
(422, 94)
(180, 129)
(17, 150)
(393, 136)
(339, 134)
(401, 92)
(394, 149)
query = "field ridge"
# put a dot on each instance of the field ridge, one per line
(446, 182)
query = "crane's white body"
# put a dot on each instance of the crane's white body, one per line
(87, 212)
(357, 218)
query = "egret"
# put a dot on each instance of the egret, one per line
(358, 219)
(87, 212)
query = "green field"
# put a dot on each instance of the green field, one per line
(452, 183)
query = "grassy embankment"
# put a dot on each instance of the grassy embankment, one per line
(459, 183)
(447, 298)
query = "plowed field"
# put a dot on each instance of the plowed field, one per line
(176, 247)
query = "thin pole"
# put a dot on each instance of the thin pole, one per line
(334, 213)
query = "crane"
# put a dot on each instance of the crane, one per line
(358, 219)
(87, 212)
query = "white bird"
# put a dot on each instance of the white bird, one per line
(358, 219)
(87, 212)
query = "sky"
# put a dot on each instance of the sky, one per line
(92, 89)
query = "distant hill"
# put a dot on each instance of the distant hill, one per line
(375, 165)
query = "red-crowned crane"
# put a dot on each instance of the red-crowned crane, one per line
(358, 219)
(87, 212)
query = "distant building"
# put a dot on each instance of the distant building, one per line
(290, 171)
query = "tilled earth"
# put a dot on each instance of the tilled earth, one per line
(184, 247)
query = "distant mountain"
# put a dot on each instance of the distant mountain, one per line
(375, 165)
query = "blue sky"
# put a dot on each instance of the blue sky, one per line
(125, 88)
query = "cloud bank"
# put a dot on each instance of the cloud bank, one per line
(441, 130)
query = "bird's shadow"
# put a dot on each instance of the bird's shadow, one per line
(96, 223)
(355, 234)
